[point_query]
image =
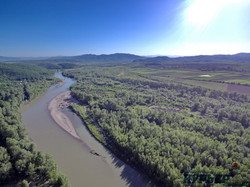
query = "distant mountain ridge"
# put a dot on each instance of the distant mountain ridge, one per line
(8, 59)
(116, 57)
(125, 57)
(3, 58)
(241, 57)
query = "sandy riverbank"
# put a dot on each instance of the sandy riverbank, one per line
(56, 106)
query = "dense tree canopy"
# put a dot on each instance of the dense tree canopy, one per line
(168, 130)
(20, 162)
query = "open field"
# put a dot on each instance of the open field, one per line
(239, 81)
(204, 84)
(166, 119)
(238, 88)
(154, 117)
(216, 80)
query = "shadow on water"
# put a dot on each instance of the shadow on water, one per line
(129, 175)
(132, 177)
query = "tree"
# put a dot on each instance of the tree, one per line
(24, 183)
(195, 107)
(5, 165)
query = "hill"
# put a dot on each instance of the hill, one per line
(11, 59)
(124, 57)
(240, 57)
(117, 57)
(4, 59)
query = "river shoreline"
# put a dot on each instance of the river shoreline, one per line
(56, 106)
(84, 161)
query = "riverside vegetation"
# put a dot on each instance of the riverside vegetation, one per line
(160, 116)
(21, 164)
(166, 129)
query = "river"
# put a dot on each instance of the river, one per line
(73, 156)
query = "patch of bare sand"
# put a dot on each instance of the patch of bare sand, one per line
(56, 106)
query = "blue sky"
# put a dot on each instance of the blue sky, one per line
(144, 27)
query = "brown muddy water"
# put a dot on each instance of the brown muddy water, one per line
(73, 156)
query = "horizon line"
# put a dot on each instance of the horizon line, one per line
(147, 55)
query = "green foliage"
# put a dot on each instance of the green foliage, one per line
(23, 72)
(5, 164)
(24, 183)
(48, 65)
(89, 123)
(68, 65)
(165, 129)
(239, 81)
(20, 162)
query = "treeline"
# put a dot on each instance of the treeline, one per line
(22, 72)
(238, 62)
(190, 129)
(21, 164)
(49, 65)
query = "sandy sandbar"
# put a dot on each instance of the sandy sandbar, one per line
(56, 106)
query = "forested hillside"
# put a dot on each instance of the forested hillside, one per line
(177, 134)
(20, 162)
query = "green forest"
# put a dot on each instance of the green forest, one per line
(165, 120)
(177, 134)
(21, 164)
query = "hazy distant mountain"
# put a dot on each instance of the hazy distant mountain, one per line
(3, 58)
(117, 57)
(240, 57)
(243, 55)
(10, 59)
(124, 57)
